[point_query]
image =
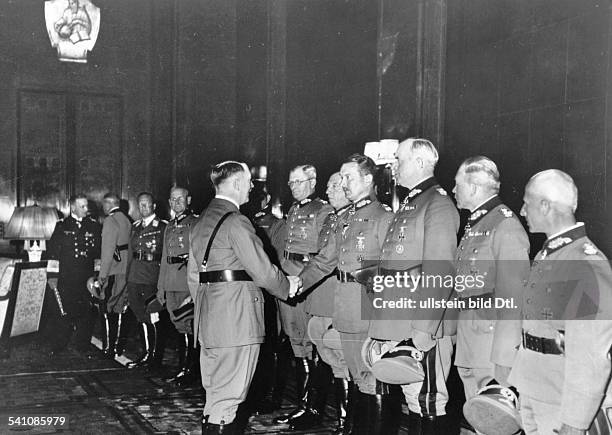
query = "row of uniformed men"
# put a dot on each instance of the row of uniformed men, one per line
(137, 263)
(560, 367)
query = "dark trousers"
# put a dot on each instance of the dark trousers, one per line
(79, 317)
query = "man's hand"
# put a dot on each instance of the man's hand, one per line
(161, 296)
(569, 430)
(295, 285)
(422, 341)
(501, 374)
(103, 282)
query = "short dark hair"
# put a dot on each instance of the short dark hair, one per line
(366, 165)
(224, 170)
(113, 198)
(149, 194)
(73, 199)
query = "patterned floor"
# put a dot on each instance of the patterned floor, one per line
(103, 397)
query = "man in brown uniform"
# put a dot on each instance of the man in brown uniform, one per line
(320, 305)
(227, 266)
(113, 268)
(562, 369)
(304, 222)
(495, 250)
(145, 253)
(172, 283)
(357, 240)
(422, 238)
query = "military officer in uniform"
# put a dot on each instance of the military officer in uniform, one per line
(358, 238)
(320, 305)
(495, 250)
(423, 240)
(562, 368)
(72, 251)
(145, 254)
(275, 355)
(172, 283)
(113, 268)
(304, 222)
(227, 267)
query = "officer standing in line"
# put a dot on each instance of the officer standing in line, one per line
(72, 251)
(268, 385)
(113, 269)
(172, 283)
(320, 305)
(562, 369)
(494, 249)
(227, 267)
(145, 252)
(304, 222)
(422, 239)
(358, 239)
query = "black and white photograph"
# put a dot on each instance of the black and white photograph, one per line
(347, 217)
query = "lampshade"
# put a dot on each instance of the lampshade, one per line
(31, 223)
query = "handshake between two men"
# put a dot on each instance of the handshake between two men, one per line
(295, 286)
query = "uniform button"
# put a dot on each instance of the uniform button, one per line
(475, 251)
(527, 317)
(343, 249)
(528, 300)
(404, 221)
(256, 299)
(390, 230)
(525, 282)
(387, 239)
(459, 258)
(462, 247)
(548, 290)
(342, 262)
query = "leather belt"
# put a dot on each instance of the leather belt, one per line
(179, 259)
(146, 256)
(224, 276)
(345, 276)
(121, 247)
(481, 297)
(543, 345)
(303, 258)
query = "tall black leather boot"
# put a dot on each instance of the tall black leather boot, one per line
(280, 367)
(433, 425)
(113, 332)
(183, 348)
(384, 410)
(147, 337)
(344, 399)
(303, 368)
(123, 329)
(360, 409)
(192, 367)
(320, 384)
(414, 423)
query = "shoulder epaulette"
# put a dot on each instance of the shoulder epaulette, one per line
(386, 207)
(589, 249)
(442, 191)
(137, 222)
(164, 221)
(322, 201)
(506, 212)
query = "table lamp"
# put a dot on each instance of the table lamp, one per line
(34, 225)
